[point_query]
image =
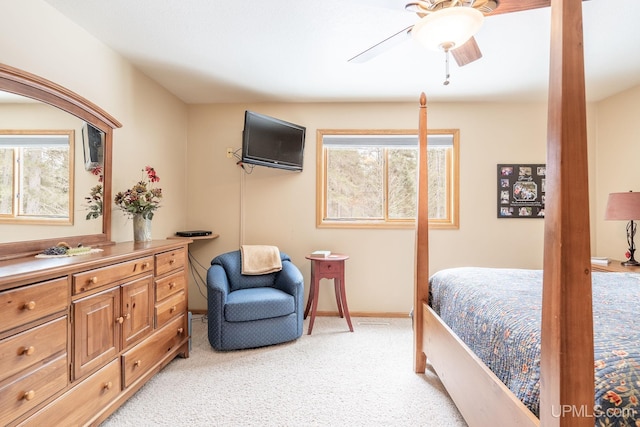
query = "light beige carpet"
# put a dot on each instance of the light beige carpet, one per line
(330, 378)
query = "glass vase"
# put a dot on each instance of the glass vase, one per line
(141, 228)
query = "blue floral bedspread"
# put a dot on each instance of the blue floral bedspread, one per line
(496, 312)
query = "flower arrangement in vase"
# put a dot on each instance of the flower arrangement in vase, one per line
(140, 202)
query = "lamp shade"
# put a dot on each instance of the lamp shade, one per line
(448, 28)
(623, 206)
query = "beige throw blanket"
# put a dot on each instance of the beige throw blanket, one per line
(260, 259)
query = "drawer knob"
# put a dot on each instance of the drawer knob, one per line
(29, 305)
(172, 309)
(145, 265)
(172, 285)
(28, 351)
(172, 261)
(180, 331)
(137, 363)
(108, 385)
(29, 395)
(120, 320)
(94, 280)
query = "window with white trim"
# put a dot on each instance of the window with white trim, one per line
(369, 178)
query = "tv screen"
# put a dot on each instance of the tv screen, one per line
(267, 141)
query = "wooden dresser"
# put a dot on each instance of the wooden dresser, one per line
(80, 335)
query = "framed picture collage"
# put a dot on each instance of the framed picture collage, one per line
(521, 190)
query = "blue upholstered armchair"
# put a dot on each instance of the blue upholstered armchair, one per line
(247, 311)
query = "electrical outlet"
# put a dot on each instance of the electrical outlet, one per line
(229, 152)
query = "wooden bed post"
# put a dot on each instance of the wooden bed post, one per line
(567, 373)
(421, 286)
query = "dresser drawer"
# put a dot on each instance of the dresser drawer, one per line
(93, 279)
(170, 308)
(23, 350)
(148, 353)
(29, 303)
(33, 388)
(170, 261)
(81, 404)
(170, 285)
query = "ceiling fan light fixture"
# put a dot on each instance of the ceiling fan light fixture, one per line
(448, 28)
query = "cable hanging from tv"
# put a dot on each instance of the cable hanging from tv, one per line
(247, 168)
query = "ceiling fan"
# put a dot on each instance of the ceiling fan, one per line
(437, 17)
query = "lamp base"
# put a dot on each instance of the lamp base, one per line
(630, 263)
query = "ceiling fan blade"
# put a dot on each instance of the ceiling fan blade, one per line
(384, 45)
(468, 52)
(508, 6)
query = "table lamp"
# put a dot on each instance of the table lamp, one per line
(625, 206)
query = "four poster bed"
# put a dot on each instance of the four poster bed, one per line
(566, 357)
(496, 313)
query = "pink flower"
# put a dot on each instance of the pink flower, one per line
(97, 171)
(142, 198)
(151, 173)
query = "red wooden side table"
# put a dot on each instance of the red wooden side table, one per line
(331, 267)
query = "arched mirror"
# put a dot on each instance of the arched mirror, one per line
(33, 109)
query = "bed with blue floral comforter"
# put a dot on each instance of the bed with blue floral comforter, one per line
(496, 312)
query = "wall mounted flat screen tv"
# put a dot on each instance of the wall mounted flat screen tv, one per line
(271, 142)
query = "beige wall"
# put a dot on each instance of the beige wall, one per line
(36, 38)
(618, 151)
(270, 206)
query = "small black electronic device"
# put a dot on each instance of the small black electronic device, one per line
(193, 233)
(271, 142)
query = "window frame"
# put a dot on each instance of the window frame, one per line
(16, 217)
(453, 182)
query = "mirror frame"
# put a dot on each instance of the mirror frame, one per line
(26, 84)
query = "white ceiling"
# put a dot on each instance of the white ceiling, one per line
(210, 51)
